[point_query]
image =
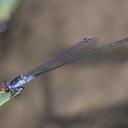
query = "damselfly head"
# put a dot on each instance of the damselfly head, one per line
(4, 88)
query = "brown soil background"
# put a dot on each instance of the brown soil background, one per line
(90, 94)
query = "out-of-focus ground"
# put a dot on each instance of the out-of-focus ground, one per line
(92, 93)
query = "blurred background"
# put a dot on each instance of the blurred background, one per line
(92, 93)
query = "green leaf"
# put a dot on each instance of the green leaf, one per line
(4, 97)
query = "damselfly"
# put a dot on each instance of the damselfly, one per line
(10, 89)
